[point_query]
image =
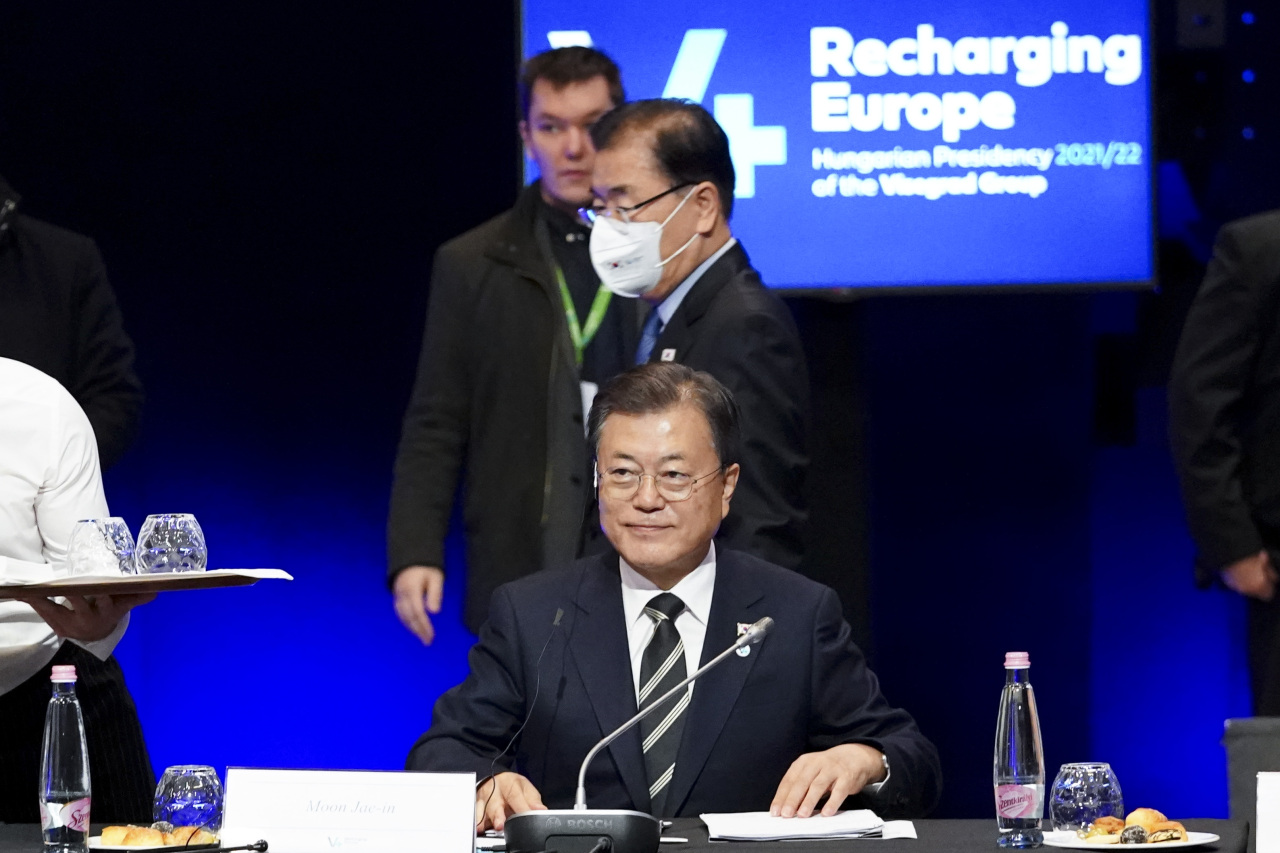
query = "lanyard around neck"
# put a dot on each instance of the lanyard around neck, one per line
(582, 335)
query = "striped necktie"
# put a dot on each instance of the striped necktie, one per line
(649, 336)
(661, 668)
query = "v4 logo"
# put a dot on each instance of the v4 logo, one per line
(749, 145)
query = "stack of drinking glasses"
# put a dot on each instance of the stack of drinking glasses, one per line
(167, 542)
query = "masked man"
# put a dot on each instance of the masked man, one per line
(663, 186)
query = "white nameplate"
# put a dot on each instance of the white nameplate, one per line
(308, 811)
(1268, 823)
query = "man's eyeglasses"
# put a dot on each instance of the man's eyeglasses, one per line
(623, 484)
(598, 208)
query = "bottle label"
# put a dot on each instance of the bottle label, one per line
(1018, 801)
(73, 815)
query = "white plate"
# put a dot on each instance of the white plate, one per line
(95, 843)
(1067, 838)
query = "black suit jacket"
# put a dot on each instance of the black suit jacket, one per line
(734, 328)
(59, 315)
(496, 408)
(1224, 398)
(805, 688)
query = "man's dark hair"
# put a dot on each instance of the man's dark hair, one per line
(565, 65)
(659, 386)
(688, 144)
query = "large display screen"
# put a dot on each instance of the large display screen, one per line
(910, 143)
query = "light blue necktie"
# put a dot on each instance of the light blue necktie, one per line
(649, 336)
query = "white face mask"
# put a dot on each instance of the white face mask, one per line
(628, 255)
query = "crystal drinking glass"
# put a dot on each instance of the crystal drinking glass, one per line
(100, 546)
(189, 795)
(1082, 793)
(171, 542)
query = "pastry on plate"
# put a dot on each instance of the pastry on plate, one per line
(1166, 830)
(143, 836)
(1104, 830)
(1135, 834)
(188, 836)
(113, 836)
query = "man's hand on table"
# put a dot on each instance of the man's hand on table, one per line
(419, 590)
(840, 771)
(87, 618)
(1253, 576)
(514, 794)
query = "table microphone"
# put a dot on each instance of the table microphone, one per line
(580, 829)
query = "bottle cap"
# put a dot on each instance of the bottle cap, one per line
(63, 673)
(1017, 660)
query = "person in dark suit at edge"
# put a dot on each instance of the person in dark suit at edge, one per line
(577, 650)
(1224, 428)
(664, 184)
(518, 333)
(58, 314)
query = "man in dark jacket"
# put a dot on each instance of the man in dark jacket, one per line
(779, 727)
(59, 315)
(664, 185)
(519, 332)
(1224, 406)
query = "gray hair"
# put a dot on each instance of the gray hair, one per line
(659, 386)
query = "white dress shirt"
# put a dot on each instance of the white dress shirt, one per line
(694, 589)
(49, 480)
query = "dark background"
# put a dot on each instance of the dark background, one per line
(268, 184)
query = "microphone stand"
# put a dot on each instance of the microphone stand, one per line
(581, 829)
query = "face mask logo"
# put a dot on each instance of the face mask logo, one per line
(628, 256)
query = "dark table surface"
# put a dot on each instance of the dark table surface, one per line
(936, 836)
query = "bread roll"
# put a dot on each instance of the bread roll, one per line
(203, 836)
(113, 836)
(1144, 818)
(188, 836)
(143, 836)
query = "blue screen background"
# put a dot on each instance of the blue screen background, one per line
(1093, 225)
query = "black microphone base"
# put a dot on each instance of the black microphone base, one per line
(573, 831)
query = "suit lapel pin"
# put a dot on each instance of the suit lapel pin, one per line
(668, 355)
(742, 629)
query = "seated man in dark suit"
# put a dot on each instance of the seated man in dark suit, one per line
(570, 654)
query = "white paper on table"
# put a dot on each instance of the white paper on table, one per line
(762, 826)
(899, 829)
(1268, 813)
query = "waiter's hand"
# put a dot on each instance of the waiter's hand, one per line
(87, 618)
(419, 590)
(840, 771)
(514, 794)
(1253, 576)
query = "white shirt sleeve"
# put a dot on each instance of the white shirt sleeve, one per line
(72, 490)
